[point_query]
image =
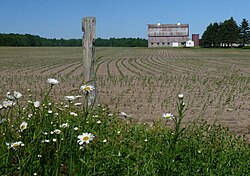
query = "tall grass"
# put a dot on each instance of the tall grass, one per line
(46, 138)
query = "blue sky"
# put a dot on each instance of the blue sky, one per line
(115, 18)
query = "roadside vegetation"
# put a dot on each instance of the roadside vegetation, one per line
(50, 137)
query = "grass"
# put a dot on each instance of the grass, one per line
(49, 144)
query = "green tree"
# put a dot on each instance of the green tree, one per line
(229, 32)
(244, 32)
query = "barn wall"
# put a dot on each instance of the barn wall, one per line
(167, 34)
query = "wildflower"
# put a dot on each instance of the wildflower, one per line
(57, 131)
(50, 111)
(168, 116)
(23, 126)
(52, 132)
(104, 141)
(35, 174)
(87, 88)
(123, 114)
(64, 125)
(46, 140)
(54, 140)
(69, 98)
(39, 156)
(99, 122)
(95, 116)
(109, 115)
(180, 96)
(1, 106)
(8, 103)
(78, 104)
(119, 154)
(45, 133)
(10, 97)
(15, 145)
(30, 115)
(85, 138)
(73, 114)
(76, 128)
(52, 81)
(36, 104)
(146, 140)
(17, 95)
(118, 132)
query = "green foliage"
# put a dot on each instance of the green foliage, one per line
(121, 42)
(51, 147)
(246, 47)
(244, 32)
(221, 35)
(34, 40)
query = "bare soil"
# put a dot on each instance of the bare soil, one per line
(142, 82)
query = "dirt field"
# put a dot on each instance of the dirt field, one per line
(142, 82)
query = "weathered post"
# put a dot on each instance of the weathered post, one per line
(89, 34)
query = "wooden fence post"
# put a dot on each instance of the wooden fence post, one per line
(89, 30)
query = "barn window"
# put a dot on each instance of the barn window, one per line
(163, 43)
(168, 43)
(158, 43)
(152, 43)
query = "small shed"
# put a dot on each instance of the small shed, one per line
(189, 43)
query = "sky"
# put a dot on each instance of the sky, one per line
(114, 18)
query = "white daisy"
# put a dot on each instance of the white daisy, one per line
(64, 125)
(78, 104)
(17, 95)
(85, 138)
(168, 116)
(73, 114)
(15, 145)
(69, 98)
(87, 88)
(76, 128)
(8, 103)
(23, 126)
(99, 122)
(123, 114)
(180, 96)
(52, 81)
(36, 104)
(57, 131)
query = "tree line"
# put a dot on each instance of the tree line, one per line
(226, 34)
(35, 40)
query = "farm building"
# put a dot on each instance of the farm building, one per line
(160, 35)
(189, 43)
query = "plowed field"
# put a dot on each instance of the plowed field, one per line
(140, 81)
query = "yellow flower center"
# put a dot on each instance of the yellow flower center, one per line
(15, 145)
(85, 138)
(87, 88)
(22, 127)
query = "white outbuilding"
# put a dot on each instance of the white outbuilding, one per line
(189, 43)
